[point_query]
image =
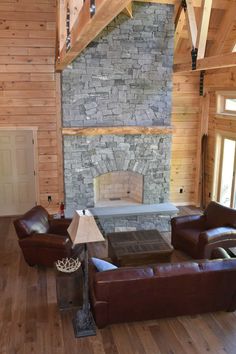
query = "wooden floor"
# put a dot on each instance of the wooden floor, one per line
(31, 322)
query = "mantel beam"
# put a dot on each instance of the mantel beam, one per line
(119, 130)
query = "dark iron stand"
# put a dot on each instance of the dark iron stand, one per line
(83, 322)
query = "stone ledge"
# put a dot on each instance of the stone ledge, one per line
(119, 130)
(158, 209)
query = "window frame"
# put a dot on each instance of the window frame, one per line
(218, 158)
(221, 98)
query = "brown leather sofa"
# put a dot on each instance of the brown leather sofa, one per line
(198, 235)
(43, 240)
(163, 290)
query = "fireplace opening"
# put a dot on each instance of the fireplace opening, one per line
(118, 188)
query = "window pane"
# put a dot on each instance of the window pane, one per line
(230, 104)
(227, 172)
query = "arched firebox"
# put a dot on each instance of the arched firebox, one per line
(118, 188)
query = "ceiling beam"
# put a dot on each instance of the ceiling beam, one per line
(75, 7)
(191, 22)
(171, 2)
(226, 26)
(203, 28)
(209, 63)
(179, 29)
(128, 11)
(177, 11)
(217, 4)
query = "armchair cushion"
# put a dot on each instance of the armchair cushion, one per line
(59, 226)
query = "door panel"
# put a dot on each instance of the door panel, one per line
(17, 179)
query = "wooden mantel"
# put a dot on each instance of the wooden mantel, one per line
(119, 130)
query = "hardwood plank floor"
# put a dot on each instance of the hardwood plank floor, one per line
(31, 322)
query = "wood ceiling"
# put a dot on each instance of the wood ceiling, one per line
(208, 25)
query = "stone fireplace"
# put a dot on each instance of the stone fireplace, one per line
(123, 79)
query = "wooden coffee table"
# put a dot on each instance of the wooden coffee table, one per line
(131, 248)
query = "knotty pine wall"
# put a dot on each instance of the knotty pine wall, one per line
(185, 144)
(217, 80)
(28, 85)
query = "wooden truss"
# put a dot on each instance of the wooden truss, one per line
(80, 21)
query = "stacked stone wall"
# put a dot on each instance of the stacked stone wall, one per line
(124, 77)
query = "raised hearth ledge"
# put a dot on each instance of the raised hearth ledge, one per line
(158, 209)
(130, 210)
(119, 130)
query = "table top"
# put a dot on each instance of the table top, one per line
(138, 243)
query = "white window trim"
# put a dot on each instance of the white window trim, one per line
(221, 96)
(220, 136)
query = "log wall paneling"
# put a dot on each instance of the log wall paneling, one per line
(28, 86)
(185, 121)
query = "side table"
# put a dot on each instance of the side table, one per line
(69, 287)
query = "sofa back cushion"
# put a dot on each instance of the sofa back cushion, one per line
(173, 269)
(218, 215)
(35, 220)
(103, 280)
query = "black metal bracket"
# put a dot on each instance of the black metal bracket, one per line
(92, 8)
(201, 84)
(68, 37)
(184, 5)
(194, 58)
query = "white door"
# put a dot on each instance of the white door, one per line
(17, 176)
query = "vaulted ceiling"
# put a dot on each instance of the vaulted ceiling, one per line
(205, 30)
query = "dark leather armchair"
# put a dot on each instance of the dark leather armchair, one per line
(198, 235)
(43, 240)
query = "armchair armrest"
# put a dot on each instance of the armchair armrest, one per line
(59, 226)
(219, 252)
(188, 221)
(47, 241)
(217, 234)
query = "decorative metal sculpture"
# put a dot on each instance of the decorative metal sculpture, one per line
(68, 265)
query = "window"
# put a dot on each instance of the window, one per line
(226, 103)
(230, 104)
(225, 184)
